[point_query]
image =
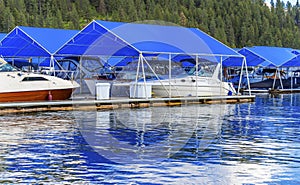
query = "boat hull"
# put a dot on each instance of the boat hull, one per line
(183, 91)
(184, 87)
(268, 84)
(41, 95)
(18, 86)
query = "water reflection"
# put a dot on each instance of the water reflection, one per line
(151, 134)
(251, 143)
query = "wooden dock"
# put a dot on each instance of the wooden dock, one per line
(88, 104)
(271, 91)
(255, 91)
(284, 91)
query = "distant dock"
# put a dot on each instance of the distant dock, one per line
(284, 91)
(272, 91)
(116, 103)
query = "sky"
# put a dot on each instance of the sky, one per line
(285, 1)
(291, 1)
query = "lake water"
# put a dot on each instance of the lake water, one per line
(248, 143)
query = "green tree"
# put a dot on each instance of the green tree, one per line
(183, 19)
(236, 23)
(74, 19)
(9, 21)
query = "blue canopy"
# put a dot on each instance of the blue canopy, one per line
(296, 51)
(294, 62)
(212, 45)
(252, 58)
(96, 40)
(267, 56)
(131, 39)
(2, 35)
(34, 42)
(233, 61)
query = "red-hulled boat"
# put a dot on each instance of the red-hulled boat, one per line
(17, 86)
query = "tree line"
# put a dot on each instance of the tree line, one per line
(235, 23)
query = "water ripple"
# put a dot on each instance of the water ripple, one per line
(251, 143)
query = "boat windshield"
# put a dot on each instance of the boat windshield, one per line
(5, 67)
(205, 71)
(152, 70)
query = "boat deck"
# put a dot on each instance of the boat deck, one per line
(86, 103)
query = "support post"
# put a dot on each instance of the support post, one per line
(170, 76)
(221, 74)
(197, 73)
(137, 74)
(80, 72)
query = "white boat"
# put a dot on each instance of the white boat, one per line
(193, 85)
(17, 86)
(205, 83)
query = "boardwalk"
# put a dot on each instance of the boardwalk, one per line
(115, 103)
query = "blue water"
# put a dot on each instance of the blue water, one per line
(247, 143)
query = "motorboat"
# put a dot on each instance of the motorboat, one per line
(18, 86)
(288, 83)
(192, 86)
(277, 80)
(269, 78)
(200, 83)
(86, 70)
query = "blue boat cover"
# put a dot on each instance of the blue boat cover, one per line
(267, 56)
(131, 39)
(34, 42)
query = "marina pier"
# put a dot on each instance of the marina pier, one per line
(116, 103)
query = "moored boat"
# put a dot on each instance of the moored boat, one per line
(17, 86)
(193, 85)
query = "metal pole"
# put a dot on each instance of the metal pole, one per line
(241, 74)
(170, 76)
(144, 76)
(197, 73)
(247, 75)
(274, 78)
(80, 72)
(137, 73)
(221, 74)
